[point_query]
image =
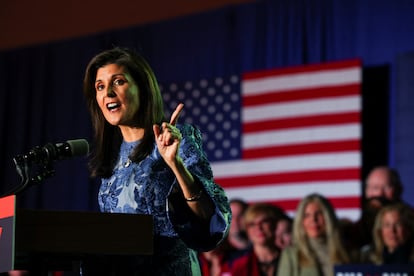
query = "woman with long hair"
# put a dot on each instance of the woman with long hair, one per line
(393, 235)
(150, 165)
(317, 244)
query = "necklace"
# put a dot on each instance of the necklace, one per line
(127, 163)
(126, 149)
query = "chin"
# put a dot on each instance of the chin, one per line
(113, 123)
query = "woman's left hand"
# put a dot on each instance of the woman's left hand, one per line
(168, 138)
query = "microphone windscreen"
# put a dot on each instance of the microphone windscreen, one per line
(78, 147)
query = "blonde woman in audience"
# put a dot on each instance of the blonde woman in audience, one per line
(260, 221)
(392, 236)
(317, 245)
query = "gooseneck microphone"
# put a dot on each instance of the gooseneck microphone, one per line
(52, 152)
(42, 158)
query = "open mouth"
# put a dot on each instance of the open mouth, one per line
(112, 106)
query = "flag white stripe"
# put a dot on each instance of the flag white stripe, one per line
(301, 135)
(303, 80)
(348, 213)
(335, 160)
(342, 213)
(288, 191)
(335, 105)
(298, 191)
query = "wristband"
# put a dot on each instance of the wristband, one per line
(195, 197)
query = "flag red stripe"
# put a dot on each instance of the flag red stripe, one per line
(321, 147)
(302, 69)
(273, 91)
(289, 177)
(337, 203)
(304, 121)
(302, 94)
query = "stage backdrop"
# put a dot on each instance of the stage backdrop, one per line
(41, 85)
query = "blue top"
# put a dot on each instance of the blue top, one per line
(150, 187)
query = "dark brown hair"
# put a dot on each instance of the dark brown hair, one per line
(108, 137)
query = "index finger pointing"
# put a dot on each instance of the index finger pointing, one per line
(176, 114)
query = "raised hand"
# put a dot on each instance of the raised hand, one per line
(176, 114)
(168, 137)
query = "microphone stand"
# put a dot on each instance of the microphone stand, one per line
(43, 158)
(24, 170)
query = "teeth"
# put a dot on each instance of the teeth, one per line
(112, 105)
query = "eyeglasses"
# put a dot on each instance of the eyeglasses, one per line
(261, 223)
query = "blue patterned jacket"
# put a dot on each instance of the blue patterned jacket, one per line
(150, 187)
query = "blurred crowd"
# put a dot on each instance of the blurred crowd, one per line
(264, 240)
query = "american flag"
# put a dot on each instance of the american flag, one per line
(278, 135)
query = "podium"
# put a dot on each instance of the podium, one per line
(58, 239)
(373, 270)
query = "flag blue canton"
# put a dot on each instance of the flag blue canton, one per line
(214, 106)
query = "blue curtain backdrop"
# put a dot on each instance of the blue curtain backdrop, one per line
(40, 86)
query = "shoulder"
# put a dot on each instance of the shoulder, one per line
(189, 130)
(290, 250)
(288, 263)
(245, 257)
(191, 136)
(366, 254)
(289, 256)
(240, 263)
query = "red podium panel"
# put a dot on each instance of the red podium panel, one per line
(7, 220)
(69, 235)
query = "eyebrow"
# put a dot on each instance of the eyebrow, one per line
(113, 76)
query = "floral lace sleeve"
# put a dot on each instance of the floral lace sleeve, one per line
(195, 234)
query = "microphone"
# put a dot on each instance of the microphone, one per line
(43, 157)
(52, 152)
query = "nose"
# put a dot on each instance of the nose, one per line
(394, 228)
(110, 92)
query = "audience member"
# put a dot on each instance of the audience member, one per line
(219, 260)
(317, 245)
(383, 182)
(260, 222)
(283, 232)
(215, 262)
(237, 234)
(392, 236)
(382, 187)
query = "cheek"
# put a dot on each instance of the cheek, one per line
(306, 223)
(385, 232)
(321, 220)
(250, 232)
(389, 193)
(133, 97)
(402, 234)
(99, 100)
